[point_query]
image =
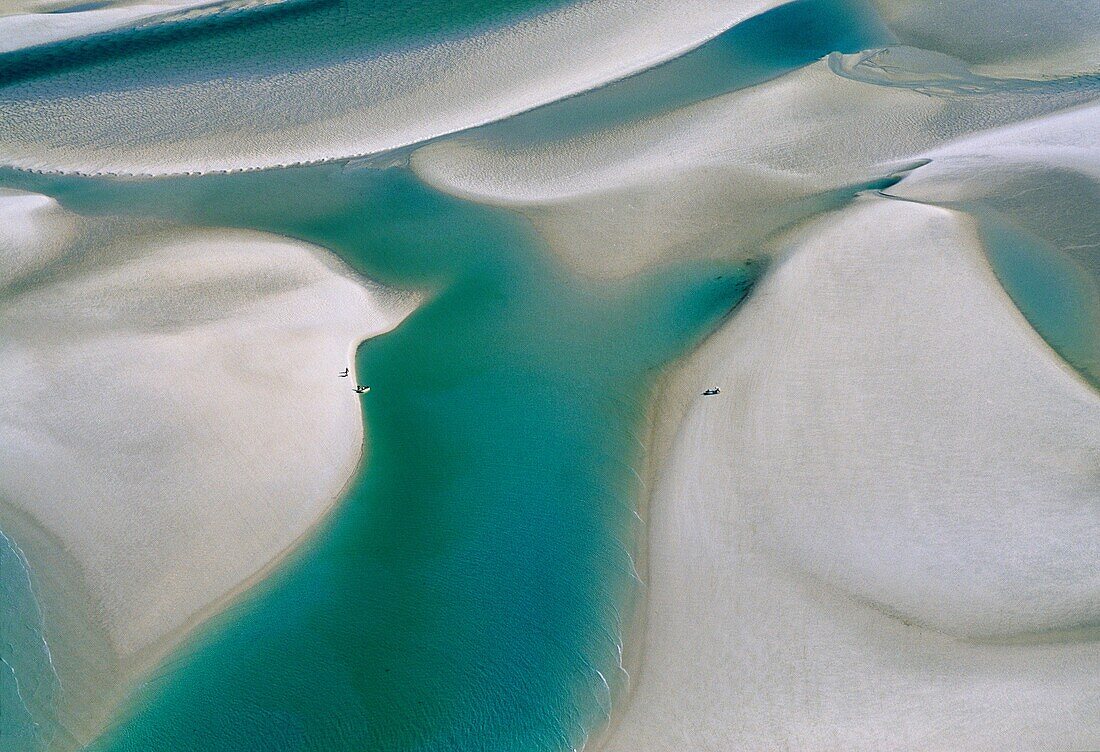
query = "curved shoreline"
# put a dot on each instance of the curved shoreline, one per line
(556, 80)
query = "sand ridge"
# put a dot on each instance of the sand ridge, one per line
(890, 499)
(173, 417)
(353, 107)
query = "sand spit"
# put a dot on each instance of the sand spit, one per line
(42, 23)
(353, 107)
(1040, 180)
(34, 231)
(1043, 172)
(1052, 37)
(723, 172)
(843, 546)
(883, 534)
(172, 417)
(1063, 140)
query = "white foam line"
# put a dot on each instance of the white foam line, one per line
(39, 618)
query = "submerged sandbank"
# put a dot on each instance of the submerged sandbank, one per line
(360, 101)
(853, 389)
(148, 435)
(41, 24)
(1035, 187)
(850, 523)
(892, 497)
(1038, 39)
(474, 584)
(719, 176)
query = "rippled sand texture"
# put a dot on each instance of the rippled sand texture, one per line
(475, 584)
(884, 533)
(894, 541)
(349, 89)
(889, 537)
(29, 23)
(145, 427)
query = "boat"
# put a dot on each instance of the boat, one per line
(709, 392)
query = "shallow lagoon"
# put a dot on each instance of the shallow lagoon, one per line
(1056, 294)
(473, 588)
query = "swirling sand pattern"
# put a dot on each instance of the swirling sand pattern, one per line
(529, 227)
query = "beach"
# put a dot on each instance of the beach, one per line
(733, 376)
(161, 373)
(765, 593)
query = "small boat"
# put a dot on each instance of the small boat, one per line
(344, 374)
(709, 392)
(360, 389)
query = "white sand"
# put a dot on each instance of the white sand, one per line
(1038, 37)
(171, 414)
(719, 176)
(884, 534)
(892, 438)
(33, 27)
(1065, 140)
(34, 230)
(356, 107)
(984, 165)
(1042, 177)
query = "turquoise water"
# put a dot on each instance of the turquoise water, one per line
(472, 590)
(292, 35)
(29, 686)
(275, 37)
(1058, 297)
(758, 49)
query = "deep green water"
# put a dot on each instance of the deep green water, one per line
(472, 590)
